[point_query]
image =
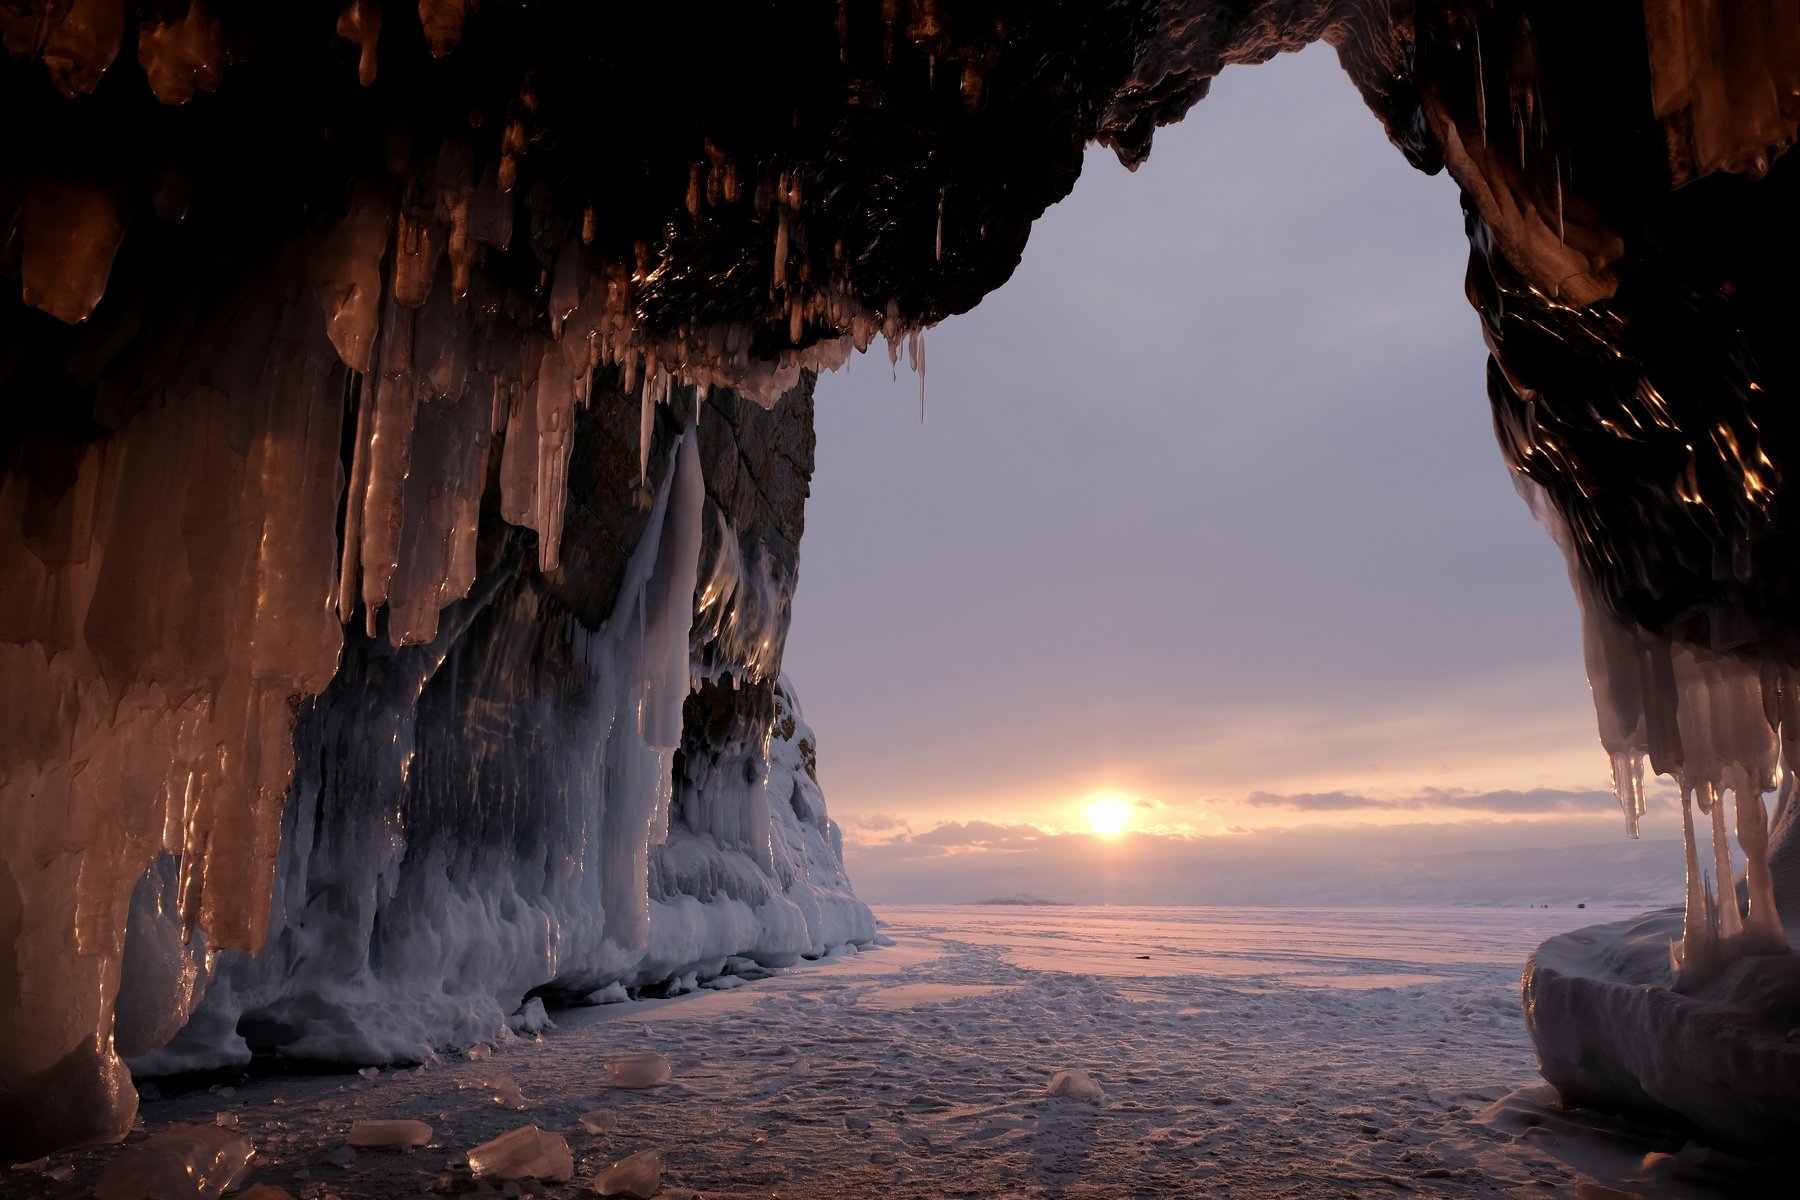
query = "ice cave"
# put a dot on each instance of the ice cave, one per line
(406, 421)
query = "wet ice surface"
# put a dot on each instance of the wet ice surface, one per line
(1254, 1053)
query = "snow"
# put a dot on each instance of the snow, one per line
(1219, 1082)
(531, 1018)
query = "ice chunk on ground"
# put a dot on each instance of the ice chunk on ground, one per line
(504, 1090)
(343, 1156)
(531, 1018)
(599, 1121)
(1073, 1083)
(265, 1191)
(388, 1135)
(639, 1176)
(180, 1162)
(524, 1153)
(645, 1069)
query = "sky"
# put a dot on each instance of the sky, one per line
(1205, 514)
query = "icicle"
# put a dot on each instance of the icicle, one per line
(565, 293)
(350, 277)
(84, 44)
(395, 400)
(556, 414)
(1712, 721)
(183, 56)
(781, 250)
(646, 426)
(71, 230)
(442, 21)
(938, 251)
(418, 242)
(360, 21)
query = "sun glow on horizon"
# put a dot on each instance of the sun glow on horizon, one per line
(1108, 816)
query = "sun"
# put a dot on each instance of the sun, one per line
(1108, 816)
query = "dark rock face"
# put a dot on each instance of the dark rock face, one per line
(344, 600)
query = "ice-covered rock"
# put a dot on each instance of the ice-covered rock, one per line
(1612, 1030)
(641, 1069)
(635, 1177)
(523, 1153)
(531, 1018)
(612, 993)
(177, 1162)
(388, 1135)
(1075, 1083)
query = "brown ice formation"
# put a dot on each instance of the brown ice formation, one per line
(405, 416)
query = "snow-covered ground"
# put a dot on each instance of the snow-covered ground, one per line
(1249, 1053)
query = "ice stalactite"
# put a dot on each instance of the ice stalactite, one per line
(1713, 723)
(1710, 722)
(490, 813)
(167, 594)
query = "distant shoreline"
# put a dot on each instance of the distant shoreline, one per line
(1022, 902)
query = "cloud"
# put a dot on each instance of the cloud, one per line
(875, 822)
(987, 834)
(1312, 801)
(1507, 801)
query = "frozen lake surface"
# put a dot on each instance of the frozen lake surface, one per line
(1241, 1052)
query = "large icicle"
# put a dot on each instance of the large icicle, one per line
(1711, 722)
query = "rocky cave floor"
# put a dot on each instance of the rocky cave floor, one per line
(1356, 1057)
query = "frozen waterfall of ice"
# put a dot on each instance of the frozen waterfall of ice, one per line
(392, 934)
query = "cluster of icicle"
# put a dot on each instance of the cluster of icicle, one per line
(408, 311)
(185, 586)
(1713, 722)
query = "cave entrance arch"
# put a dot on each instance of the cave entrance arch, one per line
(389, 368)
(1205, 503)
